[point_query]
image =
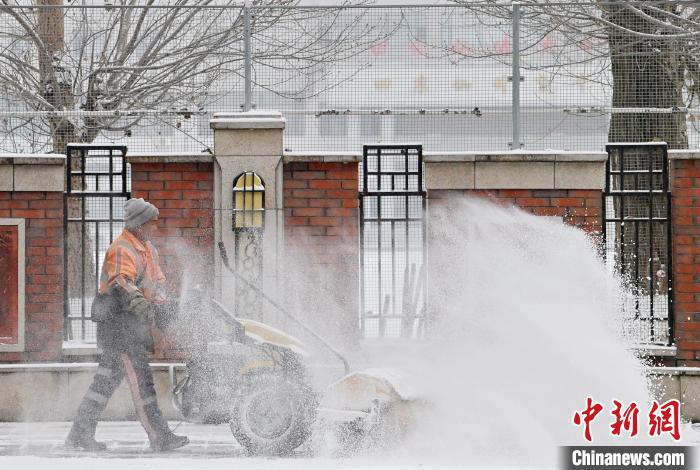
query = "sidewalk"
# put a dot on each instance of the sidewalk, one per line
(125, 439)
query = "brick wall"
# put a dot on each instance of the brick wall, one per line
(685, 187)
(183, 193)
(579, 207)
(43, 212)
(321, 229)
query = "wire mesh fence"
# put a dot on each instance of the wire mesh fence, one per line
(151, 77)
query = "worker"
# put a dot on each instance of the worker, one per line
(131, 296)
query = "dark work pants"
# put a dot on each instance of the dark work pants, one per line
(113, 367)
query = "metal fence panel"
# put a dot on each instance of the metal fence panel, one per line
(454, 76)
(99, 185)
(637, 234)
(393, 251)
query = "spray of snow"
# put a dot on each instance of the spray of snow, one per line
(527, 326)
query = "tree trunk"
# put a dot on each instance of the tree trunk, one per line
(56, 89)
(646, 74)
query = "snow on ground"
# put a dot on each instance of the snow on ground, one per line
(39, 446)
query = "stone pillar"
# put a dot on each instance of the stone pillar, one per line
(249, 141)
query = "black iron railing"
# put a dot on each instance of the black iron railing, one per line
(98, 185)
(637, 235)
(393, 242)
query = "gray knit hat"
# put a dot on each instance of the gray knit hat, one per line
(137, 212)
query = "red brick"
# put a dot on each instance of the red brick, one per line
(686, 172)
(55, 222)
(303, 230)
(308, 211)
(568, 202)
(34, 269)
(688, 345)
(54, 251)
(53, 288)
(584, 193)
(28, 213)
(55, 269)
(30, 195)
(296, 221)
(308, 193)
(343, 175)
(164, 175)
(46, 204)
(329, 166)
(180, 185)
(347, 230)
(547, 211)
(180, 167)
(35, 288)
(296, 184)
(342, 194)
(351, 202)
(325, 221)
(197, 176)
(296, 166)
(208, 185)
(137, 167)
(325, 184)
(193, 213)
(199, 195)
(165, 213)
(39, 241)
(14, 204)
(207, 221)
(686, 211)
(508, 193)
(147, 185)
(341, 212)
(296, 202)
(35, 251)
(309, 175)
(182, 204)
(350, 184)
(44, 279)
(531, 202)
(322, 202)
(164, 195)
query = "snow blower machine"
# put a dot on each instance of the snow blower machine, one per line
(255, 378)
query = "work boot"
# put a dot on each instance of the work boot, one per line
(168, 442)
(84, 438)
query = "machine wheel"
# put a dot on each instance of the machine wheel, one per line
(274, 416)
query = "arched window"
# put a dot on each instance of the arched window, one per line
(248, 227)
(248, 201)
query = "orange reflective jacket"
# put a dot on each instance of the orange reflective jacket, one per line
(137, 264)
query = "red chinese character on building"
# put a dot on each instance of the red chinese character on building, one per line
(665, 418)
(626, 420)
(589, 414)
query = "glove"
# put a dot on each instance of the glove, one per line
(165, 314)
(142, 308)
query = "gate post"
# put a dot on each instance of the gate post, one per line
(248, 142)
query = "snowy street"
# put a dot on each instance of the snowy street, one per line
(40, 446)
